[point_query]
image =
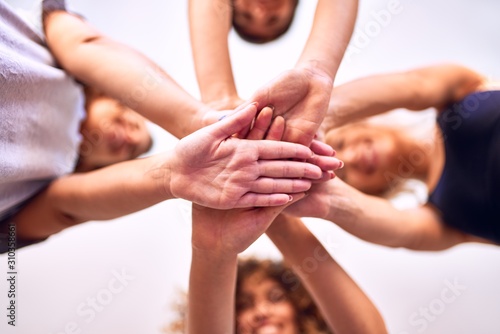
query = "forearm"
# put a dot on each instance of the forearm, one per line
(103, 194)
(210, 23)
(376, 220)
(212, 284)
(121, 73)
(343, 304)
(332, 29)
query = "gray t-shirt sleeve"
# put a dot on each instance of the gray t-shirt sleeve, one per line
(52, 5)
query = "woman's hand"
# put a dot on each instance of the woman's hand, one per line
(229, 232)
(301, 96)
(213, 168)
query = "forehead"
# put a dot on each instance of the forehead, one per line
(258, 283)
(335, 134)
(268, 4)
(105, 106)
(353, 130)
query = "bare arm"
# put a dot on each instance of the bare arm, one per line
(232, 173)
(217, 239)
(301, 95)
(332, 29)
(99, 195)
(344, 306)
(212, 282)
(376, 220)
(210, 23)
(122, 73)
(419, 89)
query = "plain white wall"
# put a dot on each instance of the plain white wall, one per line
(150, 250)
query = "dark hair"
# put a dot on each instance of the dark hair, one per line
(257, 39)
(309, 318)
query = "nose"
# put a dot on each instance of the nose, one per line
(349, 156)
(259, 12)
(261, 312)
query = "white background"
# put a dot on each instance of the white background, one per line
(153, 246)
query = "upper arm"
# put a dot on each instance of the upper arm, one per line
(41, 218)
(437, 86)
(418, 89)
(65, 34)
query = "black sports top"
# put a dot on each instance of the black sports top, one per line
(468, 192)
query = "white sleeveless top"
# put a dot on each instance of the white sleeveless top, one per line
(41, 108)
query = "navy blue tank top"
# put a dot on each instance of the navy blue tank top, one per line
(468, 192)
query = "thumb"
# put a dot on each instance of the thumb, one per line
(235, 122)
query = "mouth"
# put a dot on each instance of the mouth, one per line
(267, 329)
(117, 139)
(119, 142)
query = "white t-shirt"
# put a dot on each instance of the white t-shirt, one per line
(41, 108)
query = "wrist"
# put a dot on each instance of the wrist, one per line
(316, 68)
(213, 257)
(204, 117)
(225, 102)
(343, 204)
(159, 174)
(219, 93)
(281, 226)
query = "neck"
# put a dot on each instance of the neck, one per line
(416, 158)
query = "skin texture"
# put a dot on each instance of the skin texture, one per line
(343, 305)
(300, 95)
(211, 158)
(219, 236)
(372, 218)
(208, 159)
(97, 61)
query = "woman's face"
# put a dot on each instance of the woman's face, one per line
(264, 308)
(112, 133)
(263, 18)
(370, 154)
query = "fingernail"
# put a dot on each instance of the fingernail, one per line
(271, 106)
(341, 164)
(332, 175)
(290, 198)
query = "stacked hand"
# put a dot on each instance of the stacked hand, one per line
(232, 231)
(301, 96)
(214, 168)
